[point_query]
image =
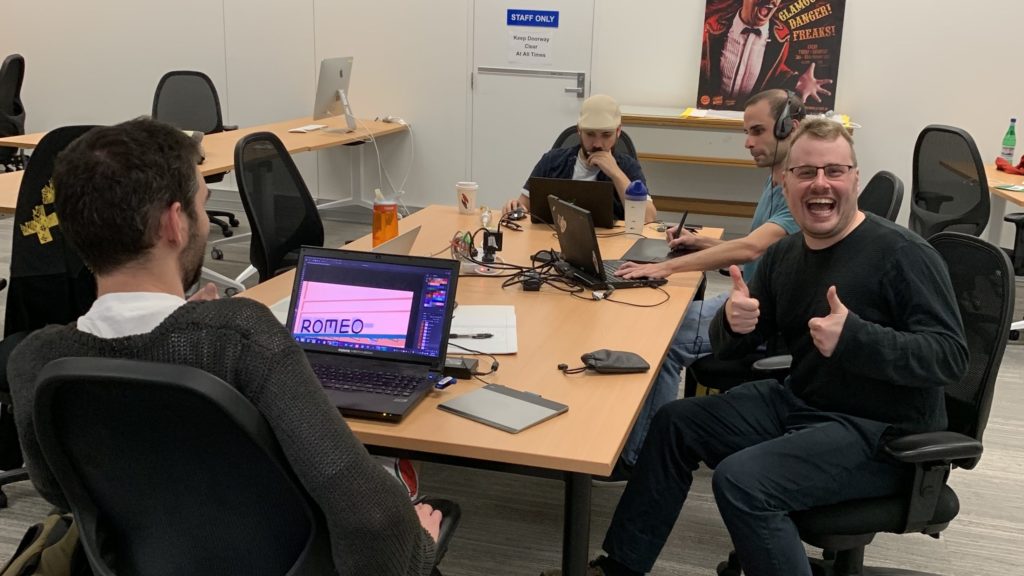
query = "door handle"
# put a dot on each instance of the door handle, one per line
(581, 77)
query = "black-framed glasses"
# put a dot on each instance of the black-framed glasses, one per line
(832, 171)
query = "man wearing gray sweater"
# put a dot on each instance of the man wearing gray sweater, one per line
(131, 199)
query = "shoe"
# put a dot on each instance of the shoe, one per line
(619, 477)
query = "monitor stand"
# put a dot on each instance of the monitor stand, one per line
(342, 99)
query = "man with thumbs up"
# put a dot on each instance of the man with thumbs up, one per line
(868, 311)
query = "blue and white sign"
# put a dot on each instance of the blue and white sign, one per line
(534, 18)
(531, 35)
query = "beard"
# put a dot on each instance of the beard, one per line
(191, 258)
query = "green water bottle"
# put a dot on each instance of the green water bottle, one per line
(1010, 141)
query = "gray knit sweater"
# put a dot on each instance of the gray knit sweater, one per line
(373, 527)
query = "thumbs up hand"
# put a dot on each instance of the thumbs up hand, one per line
(741, 311)
(825, 331)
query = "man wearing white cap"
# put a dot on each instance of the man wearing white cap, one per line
(595, 158)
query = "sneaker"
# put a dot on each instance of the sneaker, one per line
(619, 476)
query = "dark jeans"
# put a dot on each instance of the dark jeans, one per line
(772, 454)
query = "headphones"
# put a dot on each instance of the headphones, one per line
(784, 123)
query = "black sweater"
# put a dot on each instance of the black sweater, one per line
(372, 525)
(901, 343)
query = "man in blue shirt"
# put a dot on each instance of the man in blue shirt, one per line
(599, 126)
(768, 143)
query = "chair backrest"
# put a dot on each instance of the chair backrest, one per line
(882, 195)
(188, 100)
(570, 137)
(170, 470)
(949, 189)
(12, 112)
(49, 284)
(983, 282)
(281, 211)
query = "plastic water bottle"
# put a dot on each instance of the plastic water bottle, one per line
(636, 207)
(1009, 141)
(385, 219)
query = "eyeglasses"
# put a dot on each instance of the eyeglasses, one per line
(832, 171)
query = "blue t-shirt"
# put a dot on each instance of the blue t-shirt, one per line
(772, 208)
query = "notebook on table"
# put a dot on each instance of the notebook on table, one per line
(373, 326)
(587, 194)
(577, 242)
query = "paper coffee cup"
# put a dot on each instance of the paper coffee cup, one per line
(465, 197)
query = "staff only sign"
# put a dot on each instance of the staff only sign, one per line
(531, 35)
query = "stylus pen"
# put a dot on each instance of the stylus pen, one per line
(682, 221)
(480, 336)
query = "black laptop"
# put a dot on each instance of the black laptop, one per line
(577, 241)
(374, 326)
(587, 194)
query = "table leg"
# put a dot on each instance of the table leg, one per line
(994, 233)
(576, 530)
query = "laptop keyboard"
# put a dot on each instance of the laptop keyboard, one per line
(343, 378)
(610, 268)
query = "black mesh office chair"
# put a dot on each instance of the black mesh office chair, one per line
(281, 211)
(188, 100)
(155, 497)
(949, 189)
(49, 284)
(570, 137)
(882, 195)
(983, 283)
(12, 112)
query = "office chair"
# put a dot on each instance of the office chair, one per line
(984, 287)
(280, 209)
(12, 111)
(882, 196)
(949, 189)
(49, 283)
(570, 137)
(155, 497)
(188, 100)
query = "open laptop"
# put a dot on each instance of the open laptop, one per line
(401, 244)
(374, 326)
(578, 244)
(587, 194)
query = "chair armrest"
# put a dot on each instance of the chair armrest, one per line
(934, 447)
(1016, 218)
(450, 515)
(229, 127)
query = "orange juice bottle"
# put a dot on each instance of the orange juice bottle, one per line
(385, 219)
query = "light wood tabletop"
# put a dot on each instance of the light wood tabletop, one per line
(220, 148)
(999, 178)
(553, 328)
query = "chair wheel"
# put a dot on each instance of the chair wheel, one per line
(730, 567)
(234, 221)
(230, 291)
(3, 499)
(228, 233)
(1014, 335)
(217, 253)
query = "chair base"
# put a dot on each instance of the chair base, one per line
(10, 477)
(832, 563)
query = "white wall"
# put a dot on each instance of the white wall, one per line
(904, 65)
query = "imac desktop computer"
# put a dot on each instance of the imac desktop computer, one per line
(332, 92)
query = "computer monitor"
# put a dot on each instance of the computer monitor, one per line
(332, 92)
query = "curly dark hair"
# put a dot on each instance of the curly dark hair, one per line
(112, 184)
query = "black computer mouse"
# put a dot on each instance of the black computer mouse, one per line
(517, 213)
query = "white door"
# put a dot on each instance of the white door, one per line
(531, 71)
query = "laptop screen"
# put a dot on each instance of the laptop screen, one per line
(372, 305)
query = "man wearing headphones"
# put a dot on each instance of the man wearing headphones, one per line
(768, 120)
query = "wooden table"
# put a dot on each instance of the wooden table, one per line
(553, 328)
(999, 200)
(220, 147)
